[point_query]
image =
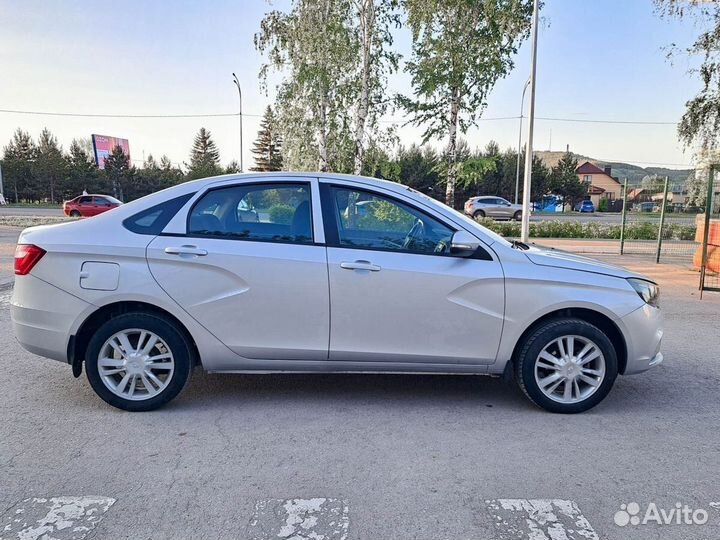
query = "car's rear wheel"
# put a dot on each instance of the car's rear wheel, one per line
(566, 366)
(138, 361)
(518, 215)
(479, 214)
(74, 213)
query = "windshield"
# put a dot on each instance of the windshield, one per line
(471, 222)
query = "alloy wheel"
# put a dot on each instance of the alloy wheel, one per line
(136, 364)
(570, 369)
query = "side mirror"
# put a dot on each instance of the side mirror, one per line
(464, 244)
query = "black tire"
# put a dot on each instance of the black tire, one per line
(479, 214)
(544, 334)
(75, 213)
(168, 332)
(518, 215)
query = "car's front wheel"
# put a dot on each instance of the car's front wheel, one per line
(566, 365)
(138, 361)
(74, 213)
(518, 215)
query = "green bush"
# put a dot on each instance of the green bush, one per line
(281, 214)
(603, 205)
(602, 231)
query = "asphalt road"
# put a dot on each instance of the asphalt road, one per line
(29, 211)
(366, 456)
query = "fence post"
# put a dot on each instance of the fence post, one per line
(662, 220)
(706, 228)
(622, 222)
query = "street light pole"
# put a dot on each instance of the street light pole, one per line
(237, 83)
(525, 228)
(517, 172)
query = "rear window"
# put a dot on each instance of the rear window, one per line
(153, 220)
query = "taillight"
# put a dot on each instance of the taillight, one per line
(26, 257)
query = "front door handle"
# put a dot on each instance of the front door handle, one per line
(360, 265)
(186, 250)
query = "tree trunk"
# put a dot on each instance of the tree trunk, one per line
(322, 139)
(366, 14)
(452, 147)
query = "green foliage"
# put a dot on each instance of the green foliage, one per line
(460, 49)
(281, 213)
(607, 231)
(701, 122)
(18, 157)
(603, 205)
(565, 182)
(268, 145)
(117, 170)
(204, 156)
(383, 215)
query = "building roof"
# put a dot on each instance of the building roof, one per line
(589, 168)
(596, 190)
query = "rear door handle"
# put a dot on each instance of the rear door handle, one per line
(186, 250)
(360, 265)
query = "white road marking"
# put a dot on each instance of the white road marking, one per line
(300, 519)
(540, 519)
(54, 518)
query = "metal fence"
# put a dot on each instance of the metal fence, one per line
(661, 231)
(708, 256)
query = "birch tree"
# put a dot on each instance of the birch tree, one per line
(374, 21)
(700, 125)
(334, 56)
(461, 48)
(313, 47)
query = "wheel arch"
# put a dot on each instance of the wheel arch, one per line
(77, 346)
(602, 321)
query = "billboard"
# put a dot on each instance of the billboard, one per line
(104, 145)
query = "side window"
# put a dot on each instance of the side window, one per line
(263, 212)
(84, 200)
(102, 201)
(154, 219)
(367, 220)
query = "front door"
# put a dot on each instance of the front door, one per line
(249, 272)
(396, 293)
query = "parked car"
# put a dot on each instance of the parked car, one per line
(492, 207)
(89, 205)
(144, 294)
(646, 207)
(585, 206)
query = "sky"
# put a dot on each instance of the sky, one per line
(597, 60)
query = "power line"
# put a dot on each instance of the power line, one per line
(88, 115)
(384, 120)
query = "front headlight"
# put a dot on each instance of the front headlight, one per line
(647, 290)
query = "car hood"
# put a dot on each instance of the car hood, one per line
(563, 259)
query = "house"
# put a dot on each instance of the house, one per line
(601, 183)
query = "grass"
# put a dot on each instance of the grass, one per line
(31, 221)
(645, 230)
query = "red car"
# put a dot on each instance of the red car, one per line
(89, 205)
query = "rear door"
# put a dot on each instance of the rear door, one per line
(85, 205)
(493, 209)
(256, 279)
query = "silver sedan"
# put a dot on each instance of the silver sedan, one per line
(189, 278)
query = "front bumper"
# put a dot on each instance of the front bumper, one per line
(643, 329)
(43, 317)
